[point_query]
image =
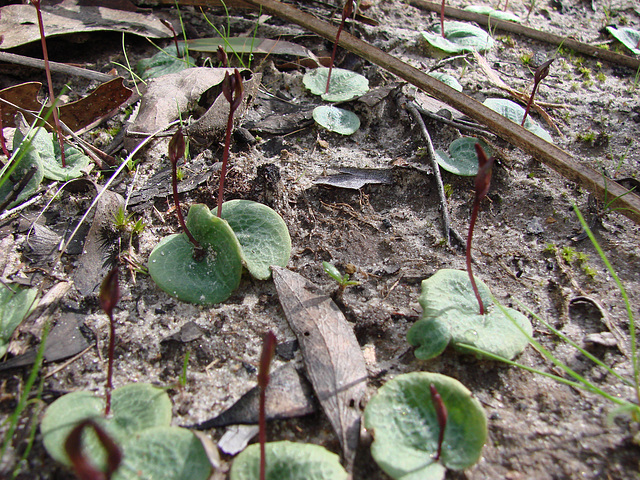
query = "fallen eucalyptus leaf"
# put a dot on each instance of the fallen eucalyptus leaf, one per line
(288, 461)
(288, 395)
(67, 338)
(333, 359)
(336, 119)
(627, 36)
(19, 23)
(356, 178)
(403, 420)
(345, 85)
(460, 38)
(450, 315)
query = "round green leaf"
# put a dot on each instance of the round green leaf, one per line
(164, 453)
(206, 281)
(336, 119)
(447, 79)
(345, 85)
(515, 112)
(288, 461)
(262, 234)
(76, 163)
(491, 12)
(164, 63)
(449, 303)
(460, 38)
(15, 304)
(403, 419)
(134, 408)
(462, 158)
(627, 36)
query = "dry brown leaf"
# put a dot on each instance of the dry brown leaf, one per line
(19, 23)
(335, 364)
(176, 95)
(75, 115)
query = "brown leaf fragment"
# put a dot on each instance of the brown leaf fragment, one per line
(335, 364)
(356, 178)
(289, 395)
(68, 337)
(99, 103)
(75, 115)
(100, 246)
(19, 24)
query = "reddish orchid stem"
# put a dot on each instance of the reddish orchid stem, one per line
(442, 19)
(346, 13)
(472, 223)
(109, 297)
(3, 142)
(541, 73)
(45, 55)
(233, 90)
(268, 350)
(441, 415)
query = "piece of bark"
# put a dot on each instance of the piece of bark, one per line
(288, 395)
(356, 178)
(335, 364)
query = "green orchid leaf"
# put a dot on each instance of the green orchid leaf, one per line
(450, 310)
(345, 85)
(447, 79)
(460, 38)
(27, 157)
(77, 163)
(288, 461)
(336, 119)
(134, 408)
(209, 280)
(627, 36)
(15, 304)
(403, 419)
(262, 234)
(515, 112)
(462, 158)
(164, 453)
(164, 63)
(491, 12)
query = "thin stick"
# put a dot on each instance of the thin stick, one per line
(55, 67)
(431, 154)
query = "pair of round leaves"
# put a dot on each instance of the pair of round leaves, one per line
(288, 461)
(139, 424)
(460, 37)
(402, 417)
(248, 233)
(451, 315)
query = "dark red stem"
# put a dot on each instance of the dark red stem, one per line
(268, 349)
(45, 55)
(442, 19)
(81, 464)
(472, 224)
(176, 199)
(109, 297)
(346, 13)
(541, 73)
(175, 35)
(3, 142)
(225, 160)
(112, 352)
(441, 414)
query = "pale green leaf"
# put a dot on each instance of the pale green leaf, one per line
(403, 420)
(15, 304)
(447, 79)
(288, 461)
(515, 112)
(460, 38)
(451, 315)
(491, 12)
(345, 85)
(627, 36)
(336, 119)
